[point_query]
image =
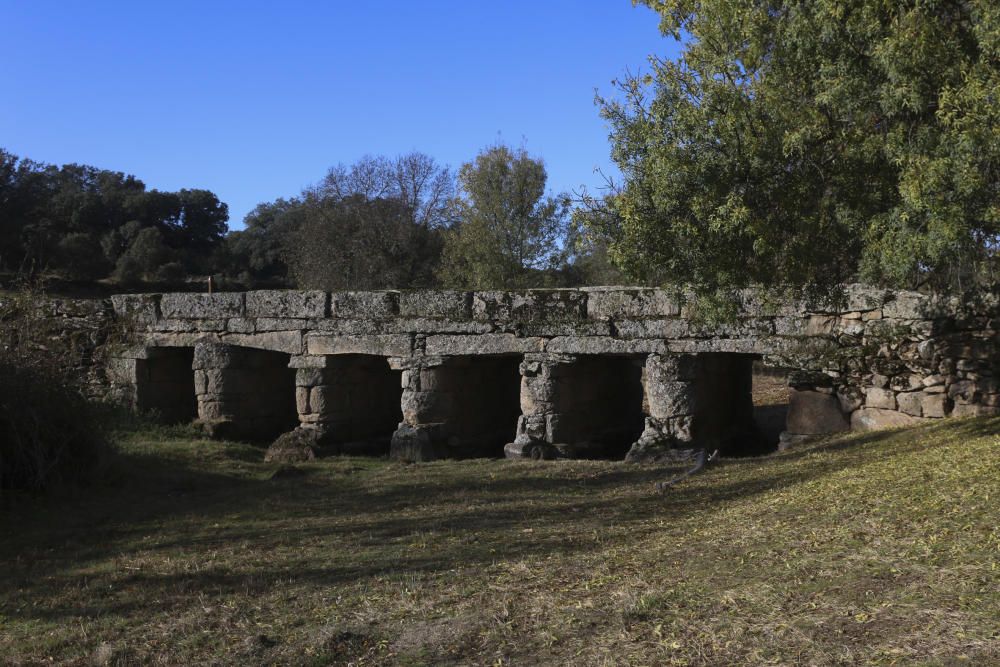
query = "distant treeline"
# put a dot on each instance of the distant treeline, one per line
(379, 223)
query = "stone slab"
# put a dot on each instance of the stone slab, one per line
(447, 304)
(286, 303)
(603, 303)
(364, 305)
(202, 306)
(385, 345)
(872, 419)
(814, 413)
(483, 344)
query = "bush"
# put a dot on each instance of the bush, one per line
(49, 432)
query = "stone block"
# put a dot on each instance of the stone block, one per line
(669, 399)
(289, 342)
(790, 326)
(548, 305)
(139, 308)
(850, 399)
(268, 324)
(415, 444)
(444, 304)
(318, 402)
(302, 400)
(911, 403)
(963, 391)
(364, 305)
(608, 303)
(202, 306)
(429, 326)
(871, 419)
(876, 397)
(975, 410)
(814, 413)
(604, 345)
(281, 304)
(629, 329)
(208, 355)
(858, 297)
(906, 306)
(426, 407)
(240, 325)
(934, 405)
(459, 345)
(386, 345)
(491, 306)
(309, 377)
(820, 325)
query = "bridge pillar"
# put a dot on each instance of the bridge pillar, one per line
(538, 424)
(347, 400)
(427, 406)
(670, 383)
(243, 392)
(460, 406)
(578, 406)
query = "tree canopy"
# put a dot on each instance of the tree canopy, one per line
(810, 143)
(88, 223)
(509, 229)
(376, 224)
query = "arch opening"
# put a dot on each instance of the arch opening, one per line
(165, 386)
(600, 406)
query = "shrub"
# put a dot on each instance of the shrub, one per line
(49, 432)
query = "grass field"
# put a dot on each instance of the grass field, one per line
(868, 548)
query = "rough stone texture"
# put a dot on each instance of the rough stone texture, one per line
(814, 413)
(871, 419)
(202, 306)
(605, 304)
(445, 304)
(296, 446)
(874, 357)
(364, 305)
(284, 304)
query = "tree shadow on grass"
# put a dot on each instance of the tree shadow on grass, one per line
(469, 518)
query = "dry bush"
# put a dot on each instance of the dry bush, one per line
(49, 432)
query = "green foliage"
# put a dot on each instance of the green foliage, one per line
(255, 254)
(510, 231)
(812, 143)
(376, 224)
(82, 222)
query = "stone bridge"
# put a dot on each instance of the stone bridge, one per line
(547, 373)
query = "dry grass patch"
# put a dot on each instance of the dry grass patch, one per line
(867, 548)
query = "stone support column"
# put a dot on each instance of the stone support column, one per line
(242, 392)
(669, 386)
(427, 405)
(538, 427)
(346, 400)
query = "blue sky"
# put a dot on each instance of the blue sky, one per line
(256, 100)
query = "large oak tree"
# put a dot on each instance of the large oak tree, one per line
(809, 143)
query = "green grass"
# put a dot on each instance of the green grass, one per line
(869, 548)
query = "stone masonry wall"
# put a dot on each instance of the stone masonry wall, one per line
(878, 358)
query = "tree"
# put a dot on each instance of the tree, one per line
(256, 253)
(356, 244)
(375, 224)
(510, 231)
(812, 143)
(80, 221)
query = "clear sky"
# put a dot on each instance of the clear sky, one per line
(255, 100)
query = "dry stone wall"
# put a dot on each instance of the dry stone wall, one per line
(878, 358)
